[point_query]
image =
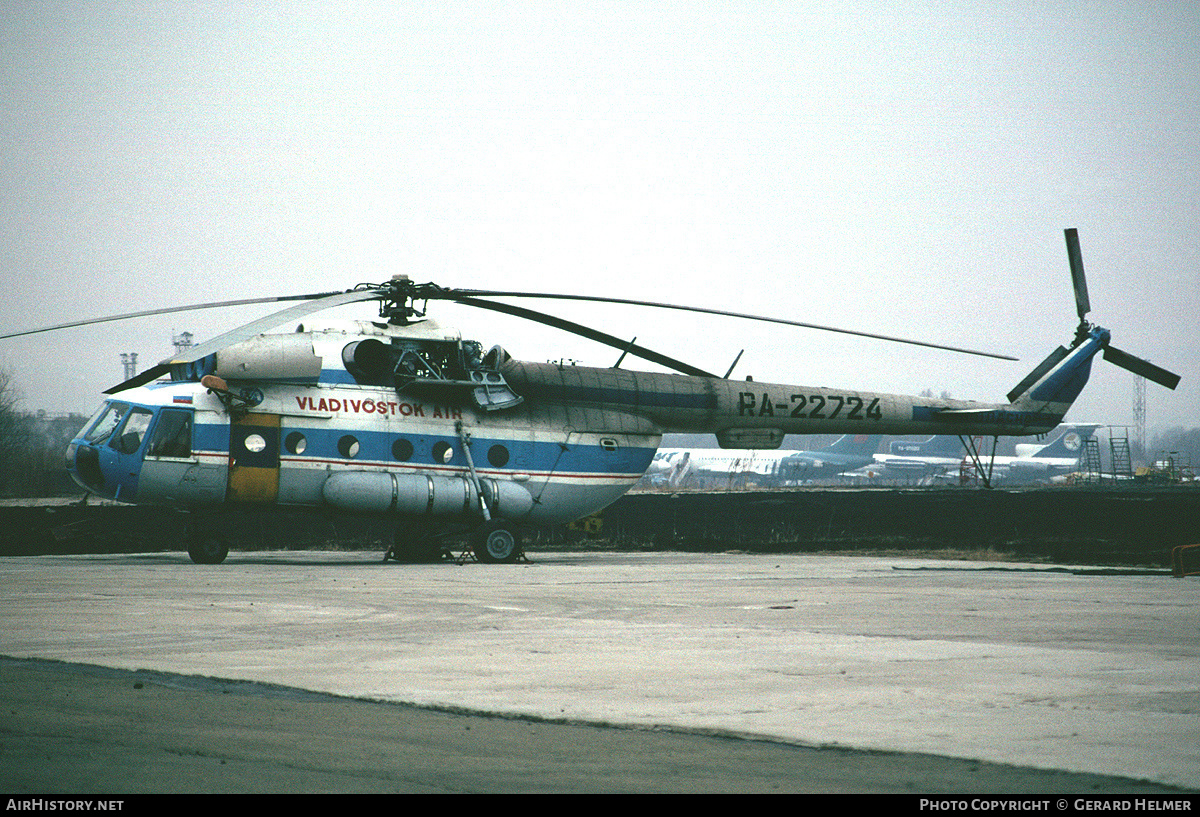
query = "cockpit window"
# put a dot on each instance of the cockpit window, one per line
(107, 419)
(129, 439)
(172, 435)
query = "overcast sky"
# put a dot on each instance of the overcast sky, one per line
(902, 168)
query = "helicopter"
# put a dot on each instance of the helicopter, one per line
(405, 419)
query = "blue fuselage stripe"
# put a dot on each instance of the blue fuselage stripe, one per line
(375, 447)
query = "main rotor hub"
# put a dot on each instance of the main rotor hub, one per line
(398, 299)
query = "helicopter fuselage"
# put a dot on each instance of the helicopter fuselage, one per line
(342, 447)
(577, 438)
(404, 427)
(400, 417)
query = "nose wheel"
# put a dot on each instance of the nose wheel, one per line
(208, 549)
(206, 544)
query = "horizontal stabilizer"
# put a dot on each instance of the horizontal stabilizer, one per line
(1013, 420)
(954, 414)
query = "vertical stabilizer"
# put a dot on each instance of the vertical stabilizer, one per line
(1053, 386)
(855, 444)
(1066, 444)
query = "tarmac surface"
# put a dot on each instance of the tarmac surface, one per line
(331, 671)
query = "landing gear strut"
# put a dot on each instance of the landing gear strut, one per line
(495, 540)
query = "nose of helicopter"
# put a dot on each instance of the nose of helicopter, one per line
(83, 464)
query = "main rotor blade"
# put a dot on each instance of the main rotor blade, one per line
(454, 294)
(1142, 368)
(140, 379)
(1075, 257)
(584, 331)
(165, 311)
(257, 327)
(247, 331)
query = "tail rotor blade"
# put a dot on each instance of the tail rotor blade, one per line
(1142, 368)
(1082, 304)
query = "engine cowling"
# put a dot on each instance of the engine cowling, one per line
(270, 357)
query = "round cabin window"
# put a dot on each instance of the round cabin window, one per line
(348, 447)
(295, 443)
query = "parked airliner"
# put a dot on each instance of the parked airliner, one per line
(679, 467)
(944, 455)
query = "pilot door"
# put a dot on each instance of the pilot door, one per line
(254, 459)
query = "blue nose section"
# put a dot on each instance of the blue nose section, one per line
(83, 461)
(104, 471)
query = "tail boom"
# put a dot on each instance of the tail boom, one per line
(749, 414)
(1041, 400)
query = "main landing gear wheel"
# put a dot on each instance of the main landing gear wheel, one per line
(413, 547)
(496, 542)
(208, 550)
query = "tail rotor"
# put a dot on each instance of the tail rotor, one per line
(1131, 363)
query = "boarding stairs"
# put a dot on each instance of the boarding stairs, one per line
(1122, 462)
(1089, 460)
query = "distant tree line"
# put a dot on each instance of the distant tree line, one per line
(33, 448)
